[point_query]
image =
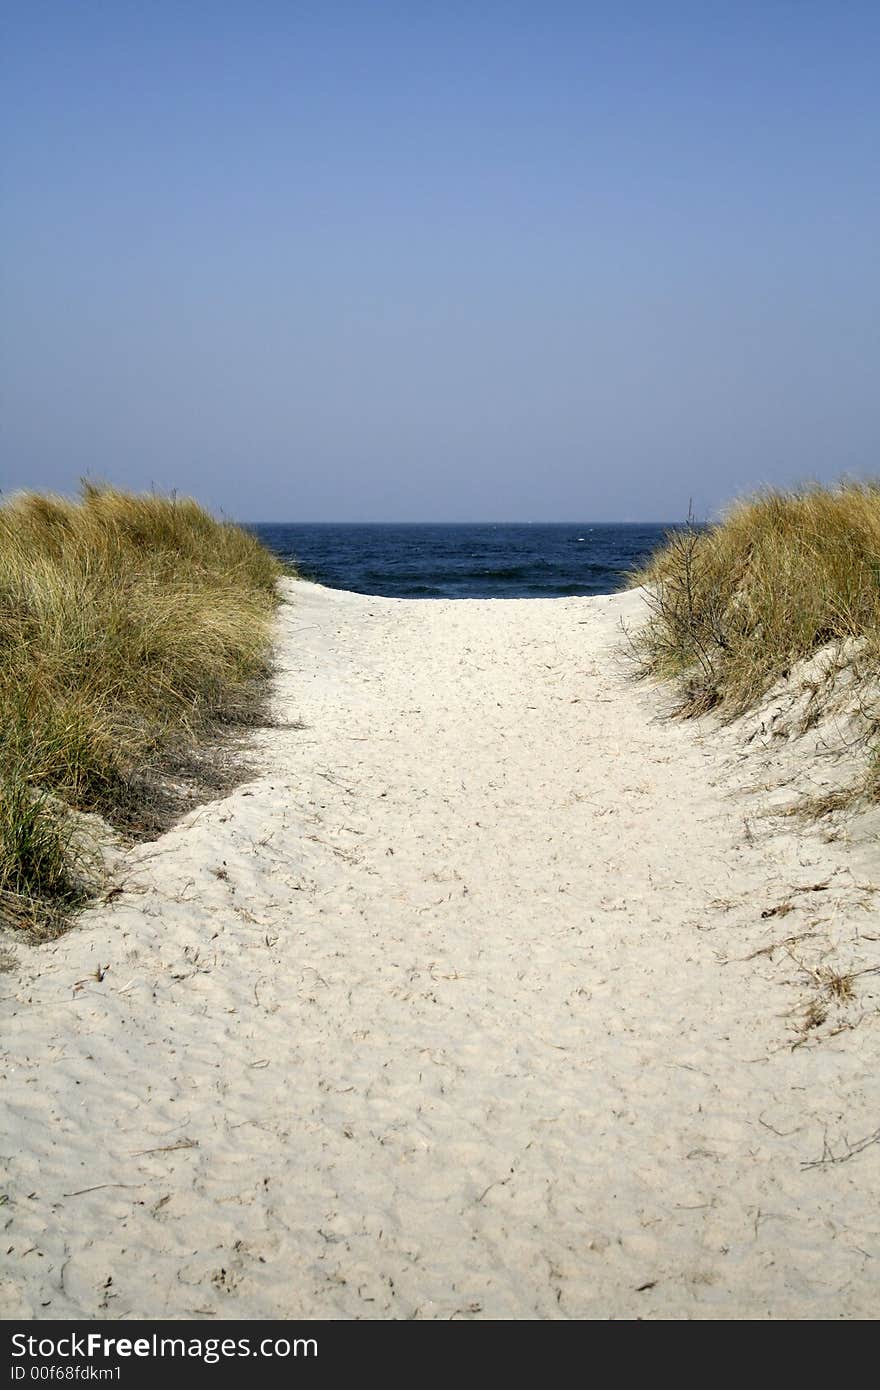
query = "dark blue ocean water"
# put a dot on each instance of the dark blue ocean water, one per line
(466, 561)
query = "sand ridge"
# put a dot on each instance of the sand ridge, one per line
(453, 1011)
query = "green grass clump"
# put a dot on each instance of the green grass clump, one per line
(736, 605)
(130, 627)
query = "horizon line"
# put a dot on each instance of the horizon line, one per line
(495, 522)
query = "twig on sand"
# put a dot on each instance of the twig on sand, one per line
(98, 1187)
(345, 854)
(778, 945)
(167, 1148)
(499, 1182)
(781, 910)
(829, 1158)
(328, 777)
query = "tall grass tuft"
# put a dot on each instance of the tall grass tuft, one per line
(130, 627)
(735, 606)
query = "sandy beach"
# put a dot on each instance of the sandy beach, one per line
(464, 1007)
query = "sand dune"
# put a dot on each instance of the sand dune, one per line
(456, 1010)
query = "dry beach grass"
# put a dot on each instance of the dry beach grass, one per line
(130, 627)
(742, 605)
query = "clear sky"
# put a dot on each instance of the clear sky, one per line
(438, 260)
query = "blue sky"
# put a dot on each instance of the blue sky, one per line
(441, 261)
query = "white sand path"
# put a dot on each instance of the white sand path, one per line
(445, 1014)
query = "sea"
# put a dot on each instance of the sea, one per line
(470, 560)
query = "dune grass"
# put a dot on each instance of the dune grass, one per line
(737, 605)
(131, 628)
